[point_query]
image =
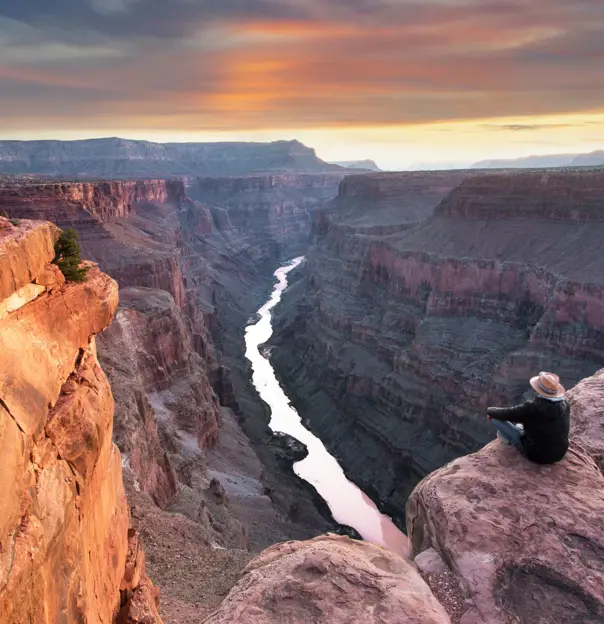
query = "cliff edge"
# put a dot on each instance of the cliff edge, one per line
(66, 552)
(524, 541)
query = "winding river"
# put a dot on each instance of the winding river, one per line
(348, 504)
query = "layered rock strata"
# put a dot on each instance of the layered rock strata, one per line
(64, 516)
(64, 202)
(402, 340)
(276, 208)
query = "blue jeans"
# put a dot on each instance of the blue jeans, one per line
(509, 431)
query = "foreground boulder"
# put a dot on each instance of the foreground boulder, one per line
(332, 580)
(587, 406)
(526, 542)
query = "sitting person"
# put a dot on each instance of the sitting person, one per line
(545, 422)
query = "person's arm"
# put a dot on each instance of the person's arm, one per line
(516, 414)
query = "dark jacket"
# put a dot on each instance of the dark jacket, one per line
(546, 427)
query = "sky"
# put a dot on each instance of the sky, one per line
(405, 82)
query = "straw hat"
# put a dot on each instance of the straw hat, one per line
(548, 385)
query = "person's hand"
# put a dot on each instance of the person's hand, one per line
(489, 417)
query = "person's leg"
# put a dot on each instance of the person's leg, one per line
(509, 431)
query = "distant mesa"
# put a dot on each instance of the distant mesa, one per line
(125, 158)
(593, 159)
(367, 165)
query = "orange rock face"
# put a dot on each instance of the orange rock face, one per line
(24, 253)
(63, 513)
(332, 580)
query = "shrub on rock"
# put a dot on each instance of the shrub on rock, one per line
(67, 256)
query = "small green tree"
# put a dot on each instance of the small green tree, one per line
(67, 256)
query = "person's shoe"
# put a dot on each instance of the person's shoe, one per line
(503, 438)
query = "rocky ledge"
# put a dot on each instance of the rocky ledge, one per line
(525, 542)
(64, 540)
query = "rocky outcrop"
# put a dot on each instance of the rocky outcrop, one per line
(125, 158)
(63, 514)
(588, 416)
(26, 252)
(402, 340)
(524, 541)
(329, 579)
(157, 377)
(66, 203)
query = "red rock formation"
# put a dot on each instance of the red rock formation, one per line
(63, 514)
(140, 599)
(64, 202)
(542, 195)
(331, 580)
(524, 541)
(156, 375)
(25, 252)
(402, 340)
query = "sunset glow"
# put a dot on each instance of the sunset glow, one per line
(400, 81)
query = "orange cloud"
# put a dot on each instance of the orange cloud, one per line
(311, 64)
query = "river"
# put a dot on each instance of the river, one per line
(348, 504)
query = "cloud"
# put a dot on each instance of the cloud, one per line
(248, 64)
(527, 127)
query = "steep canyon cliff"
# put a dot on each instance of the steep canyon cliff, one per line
(404, 334)
(191, 274)
(66, 551)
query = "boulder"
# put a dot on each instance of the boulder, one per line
(587, 415)
(332, 580)
(525, 541)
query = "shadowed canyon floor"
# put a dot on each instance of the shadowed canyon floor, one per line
(349, 506)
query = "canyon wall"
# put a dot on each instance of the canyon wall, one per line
(277, 209)
(191, 275)
(66, 552)
(394, 342)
